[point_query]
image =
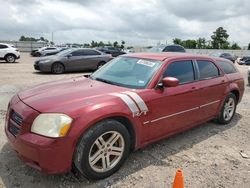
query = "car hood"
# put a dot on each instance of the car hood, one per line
(65, 95)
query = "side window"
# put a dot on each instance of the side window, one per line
(3, 46)
(183, 70)
(78, 53)
(227, 67)
(207, 70)
(91, 52)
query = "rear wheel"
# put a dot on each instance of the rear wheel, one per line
(100, 64)
(57, 68)
(228, 109)
(10, 58)
(102, 150)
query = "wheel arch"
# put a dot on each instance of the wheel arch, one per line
(236, 93)
(10, 54)
(58, 62)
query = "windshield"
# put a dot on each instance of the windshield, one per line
(128, 72)
(64, 52)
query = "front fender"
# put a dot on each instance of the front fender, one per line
(92, 114)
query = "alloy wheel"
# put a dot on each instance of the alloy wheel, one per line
(106, 151)
(229, 109)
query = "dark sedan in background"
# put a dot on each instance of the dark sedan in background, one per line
(111, 50)
(226, 55)
(74, 59)
(167, 48)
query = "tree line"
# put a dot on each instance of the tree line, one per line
(219, 40)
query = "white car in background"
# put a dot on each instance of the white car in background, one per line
(9, 53)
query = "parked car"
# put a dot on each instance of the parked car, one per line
(228, 56)
(40, 51)
(74, 59)
(248, 73)
(52, 52)
(245, 60)
(111, 50)
(9, 53)
(91, 124)
(168, 48)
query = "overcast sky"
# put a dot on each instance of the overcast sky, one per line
(138, 22)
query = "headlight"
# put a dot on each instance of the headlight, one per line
(44, 61)
(51, 125)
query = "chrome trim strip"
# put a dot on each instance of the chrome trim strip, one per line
(204, 105)
(141, 104)
(126, 99)
(164, 117)
(178, 113)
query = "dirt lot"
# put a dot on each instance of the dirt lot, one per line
(209, 154)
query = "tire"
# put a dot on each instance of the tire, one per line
(94, 146)
(100, 64)
(57, 68)
(228, 109)
(10, 58)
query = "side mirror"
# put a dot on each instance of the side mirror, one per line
(69, 55)
(170, 82)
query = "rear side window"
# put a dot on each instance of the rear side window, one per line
(227, 67)
(91, 52)
(207, 70)
(3, 46)
(78, 53)
(182, 70)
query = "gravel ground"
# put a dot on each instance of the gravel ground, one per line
(209, 155)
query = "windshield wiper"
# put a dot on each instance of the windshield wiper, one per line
(105, 81)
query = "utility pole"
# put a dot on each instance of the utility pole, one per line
(52, 37)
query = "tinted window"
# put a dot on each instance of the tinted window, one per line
(50, 48)
(183, 70)
(227, 67)
(3, 46)
(207, 70)
(91, 52)
(173, 49)
(78, 53)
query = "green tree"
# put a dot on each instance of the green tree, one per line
(219, 39)
(122, 44)
(191, 44)
(235, 46)
(201, 43)
(177, 41)
(116, 44)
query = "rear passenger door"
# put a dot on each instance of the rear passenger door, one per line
(212, 85)
(91, 59)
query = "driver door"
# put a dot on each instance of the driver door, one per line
(174, 109)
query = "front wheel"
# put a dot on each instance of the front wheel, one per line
(228, 109)
(10, 58)
(102, 150)
(57, 68)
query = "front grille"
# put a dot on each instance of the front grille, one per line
(13, 129)
(15, 122)
(16, 118)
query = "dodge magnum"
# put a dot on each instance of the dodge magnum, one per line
(90, 125)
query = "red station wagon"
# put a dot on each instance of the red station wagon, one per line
(91, 124)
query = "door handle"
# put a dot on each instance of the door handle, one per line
(223, 81)
(193, 88)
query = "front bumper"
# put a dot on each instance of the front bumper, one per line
(49, 155)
